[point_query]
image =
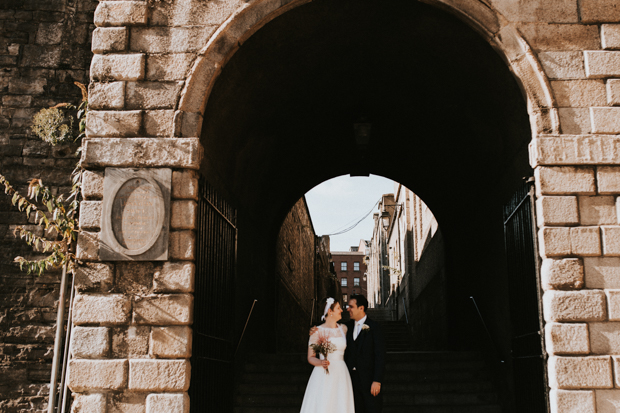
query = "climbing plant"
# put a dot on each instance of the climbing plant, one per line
(54, 214)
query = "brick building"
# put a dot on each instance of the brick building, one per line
(351, 270)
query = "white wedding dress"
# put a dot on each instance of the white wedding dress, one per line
(333, 392)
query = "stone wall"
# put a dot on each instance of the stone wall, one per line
(302, 278)
(44, 48)
(154, 68)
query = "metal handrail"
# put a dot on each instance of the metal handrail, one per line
(312, 311)
(246, 326)
(405, 307)
(486, 329)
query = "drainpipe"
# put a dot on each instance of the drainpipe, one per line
(60, 317)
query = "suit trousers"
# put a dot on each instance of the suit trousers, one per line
(364, 401)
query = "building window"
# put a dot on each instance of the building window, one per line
(345, 298)
(356, 266)
(343, 282)
(343, 266)
(356, 282)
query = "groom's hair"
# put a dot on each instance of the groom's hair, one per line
(360, 300)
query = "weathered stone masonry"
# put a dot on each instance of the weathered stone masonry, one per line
(154, 66)
(44, 48)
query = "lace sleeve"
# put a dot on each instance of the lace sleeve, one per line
(314, 338)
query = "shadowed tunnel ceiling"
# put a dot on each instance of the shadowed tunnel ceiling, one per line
(448, 118)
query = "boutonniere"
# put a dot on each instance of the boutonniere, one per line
(365, 327)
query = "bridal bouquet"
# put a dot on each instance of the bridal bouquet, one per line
(323, 346)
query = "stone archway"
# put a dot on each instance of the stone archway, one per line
(159, 120)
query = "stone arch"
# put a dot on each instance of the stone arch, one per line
(502, 35)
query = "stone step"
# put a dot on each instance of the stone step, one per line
(387, 409)
(388, 389)
(444, 399)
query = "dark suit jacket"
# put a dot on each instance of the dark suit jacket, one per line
(367, 353)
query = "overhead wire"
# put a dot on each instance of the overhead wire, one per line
(356, 222)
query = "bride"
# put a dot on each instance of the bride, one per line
(329, 389)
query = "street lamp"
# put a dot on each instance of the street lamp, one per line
(385, 219)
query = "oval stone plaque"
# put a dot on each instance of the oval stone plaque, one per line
(137, 215)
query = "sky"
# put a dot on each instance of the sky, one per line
(340, 202)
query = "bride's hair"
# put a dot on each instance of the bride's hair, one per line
(321, 309)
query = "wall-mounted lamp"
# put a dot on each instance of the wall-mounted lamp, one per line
(385, 219)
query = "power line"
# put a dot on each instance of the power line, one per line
(358, 222)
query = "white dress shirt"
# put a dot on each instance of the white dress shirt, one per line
(358, 327)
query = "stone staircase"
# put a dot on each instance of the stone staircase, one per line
(420, 382)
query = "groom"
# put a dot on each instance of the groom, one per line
(365, 357)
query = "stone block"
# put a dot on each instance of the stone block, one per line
(554, 241)
(171, 342)
(135, 278)
(580, 372)
(579, 93)
(106, 95)
(159, 122)
(109, 40)
(19, 101)
(567, 339)
(130, 342)
(605, 338)
(616, 363)
(175, 277)
(602, 272)
(92, 184)
(153, 95)
(49, 33)
(185, 184)
(117, 67)
(127, 402)
(164, 309)
(610, 36)
(90, 215)
(175, 66)
(605, 120)
(121, 13)
(182, 245)
(88, 375)
(564, 274)
(572, 401)
(89, 403)
(599, 11)
(90, 342)
(563, 65)
(104, 309)
(585, 241)
(27, 86)
(167, 402)
(193, 12)
(169, 39)
(597, 210)
(557, 210)
(564, 37)
(159, 375)
(611, 240)
(613, 304)
(565, 180)
(613, 92)
(607, 401)
(113, 123)
(142, 152)
(184, 214)
(602, 63)
(575, 149)
(574, 306)
(94, 276)
(608, 179)
(189, 124)
(48, 56)
(87, 246)
(575, 120)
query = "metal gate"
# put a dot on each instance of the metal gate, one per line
(528, 354)
(211, 385)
